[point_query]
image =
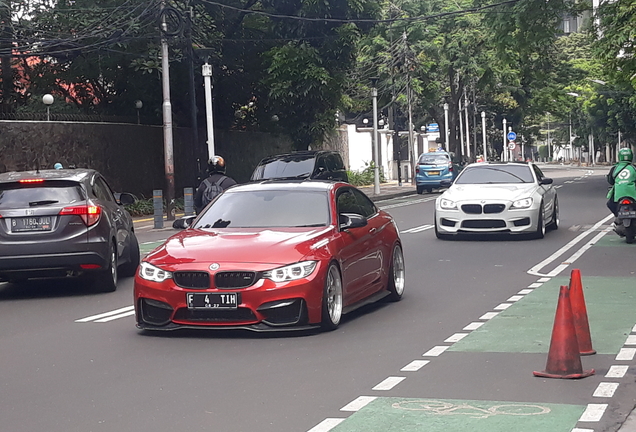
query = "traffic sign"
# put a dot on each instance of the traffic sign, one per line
(512, 136)
(512, 145)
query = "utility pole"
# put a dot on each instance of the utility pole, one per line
(167, 119)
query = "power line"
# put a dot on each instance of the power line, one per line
(362, 20)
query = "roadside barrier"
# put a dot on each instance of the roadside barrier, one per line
(579, 311)
(564, 358)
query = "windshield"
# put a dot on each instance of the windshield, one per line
(496, 174)
(267, 208)
(285, 168)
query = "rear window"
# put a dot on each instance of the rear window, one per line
(427, 159)
(287, 167)
(267, 208)
(20, 195)
(493, 174)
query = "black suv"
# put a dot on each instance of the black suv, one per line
(61, 223)
(314, 164)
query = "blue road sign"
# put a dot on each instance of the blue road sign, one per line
(512, 136)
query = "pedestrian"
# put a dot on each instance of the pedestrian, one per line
(213, 185)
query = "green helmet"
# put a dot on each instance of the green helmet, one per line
(625, 155)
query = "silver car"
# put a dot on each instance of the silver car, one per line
(498, 197)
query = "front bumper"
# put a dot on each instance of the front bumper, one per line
(458, 221)
(263, 306)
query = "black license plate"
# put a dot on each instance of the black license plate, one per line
(34, 223)
(212, 300)
(625, 214)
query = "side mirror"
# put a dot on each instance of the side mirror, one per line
(125, 198)
(183, 223)
(352, 220)
(445, 183)
(546, 181)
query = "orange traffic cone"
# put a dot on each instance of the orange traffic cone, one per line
(564, 360)
(579, 311)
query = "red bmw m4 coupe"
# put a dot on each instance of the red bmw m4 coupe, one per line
(273, 255)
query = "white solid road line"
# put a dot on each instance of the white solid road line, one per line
(536, 269)
(417, 229)
(117, 313)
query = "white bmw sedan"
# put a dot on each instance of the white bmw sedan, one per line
(498, 197)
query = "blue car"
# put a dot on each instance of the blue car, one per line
(431, 169)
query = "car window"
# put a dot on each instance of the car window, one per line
(284, 168)
(493, 174)
(18, 195)
(102, 191)
(267, 208)
(354, 201)
(433, 159)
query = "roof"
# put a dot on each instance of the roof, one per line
(77, 175)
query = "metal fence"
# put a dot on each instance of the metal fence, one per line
(79, 118)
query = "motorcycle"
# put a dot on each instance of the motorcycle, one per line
(626, 218)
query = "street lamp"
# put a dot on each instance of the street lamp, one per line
(446, 130)
(48, 101)
(483, 134)
(138, 105)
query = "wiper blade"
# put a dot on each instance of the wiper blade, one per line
(43, 202)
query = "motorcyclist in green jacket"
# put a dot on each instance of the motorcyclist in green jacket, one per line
(622, 177)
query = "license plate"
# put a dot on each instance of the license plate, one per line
(212, 300)
(433, 173)
(42, 223)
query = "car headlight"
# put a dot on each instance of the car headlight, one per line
(447, 204)
(522, 203)
(291, 272)
(152, 273)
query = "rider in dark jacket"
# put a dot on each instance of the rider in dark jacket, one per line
(216, 171)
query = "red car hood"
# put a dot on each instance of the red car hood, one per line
(264, 245)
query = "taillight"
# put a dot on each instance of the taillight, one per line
(626, 201)
(36, 180)
(89, 213)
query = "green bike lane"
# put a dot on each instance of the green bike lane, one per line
(480, 378)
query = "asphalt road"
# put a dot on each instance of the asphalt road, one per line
(73, 360)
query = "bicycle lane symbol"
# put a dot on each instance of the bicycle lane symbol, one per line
(442, 408)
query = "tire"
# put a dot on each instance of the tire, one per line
(106, 280)
(420, 189)
(554, 222)
(630, 232)
(397, 274)
(130, 268)
(540, 232)
(332, 299)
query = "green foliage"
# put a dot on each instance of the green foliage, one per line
(365, 177)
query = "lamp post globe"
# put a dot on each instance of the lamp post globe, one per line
(48, 99)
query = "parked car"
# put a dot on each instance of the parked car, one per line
(431, 169)
(65, 223)
(313, 164)
(498, 197)
(272, 255)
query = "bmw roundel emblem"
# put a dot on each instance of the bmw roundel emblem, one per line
(214, 266)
